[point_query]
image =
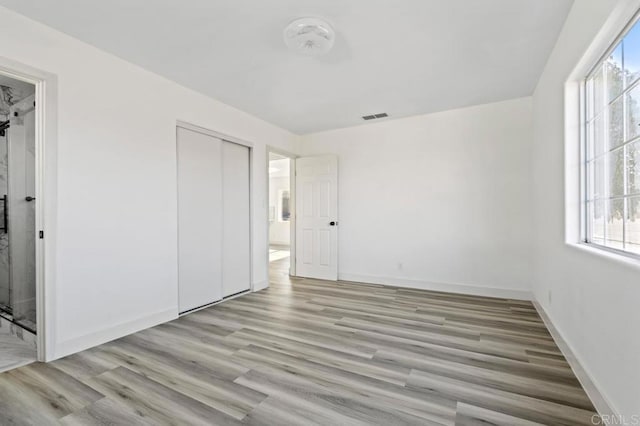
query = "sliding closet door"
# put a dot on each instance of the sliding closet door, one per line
(236, 245)
(199, 219)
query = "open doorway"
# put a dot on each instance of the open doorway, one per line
(281, 213)
(17, 223)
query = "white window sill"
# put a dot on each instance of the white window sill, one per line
(621, 258)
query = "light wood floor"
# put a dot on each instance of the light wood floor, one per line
(312, 352)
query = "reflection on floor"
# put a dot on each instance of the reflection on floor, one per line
(279, 269)
(14, 352)
(277, 252)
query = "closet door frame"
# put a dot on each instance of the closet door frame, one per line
(249, 145)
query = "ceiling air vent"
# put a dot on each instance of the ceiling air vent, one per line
(374, 116)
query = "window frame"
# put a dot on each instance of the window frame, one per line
(585, 145)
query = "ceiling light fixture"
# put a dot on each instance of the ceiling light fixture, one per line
(309, 36)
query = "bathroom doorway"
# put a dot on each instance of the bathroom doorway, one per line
(18, 306)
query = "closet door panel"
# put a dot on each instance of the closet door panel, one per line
(199, 219)
(236, 246)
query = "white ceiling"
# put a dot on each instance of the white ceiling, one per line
(403, 57)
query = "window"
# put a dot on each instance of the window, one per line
(612, 147)
(285, 212)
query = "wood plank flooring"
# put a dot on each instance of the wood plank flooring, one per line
(312, 352)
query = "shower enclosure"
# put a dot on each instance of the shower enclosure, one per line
(17, 207)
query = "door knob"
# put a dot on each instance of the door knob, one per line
(29, 198)
(333, 223)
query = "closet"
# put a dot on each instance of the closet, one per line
(214, 259)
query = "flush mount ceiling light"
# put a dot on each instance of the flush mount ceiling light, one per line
(309, 36)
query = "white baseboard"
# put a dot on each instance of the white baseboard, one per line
(90, 340)
(261, 285)
(601, 403)
(505, 293)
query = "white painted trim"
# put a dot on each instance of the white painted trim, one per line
(46, 95)
(473, 290)
(600, 401)
(215, 134)
(90, 340)
(621, 259)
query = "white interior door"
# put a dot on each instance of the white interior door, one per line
(236, 240)
(199, 219)
(317, 217)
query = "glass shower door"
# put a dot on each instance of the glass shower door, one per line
(21, 213)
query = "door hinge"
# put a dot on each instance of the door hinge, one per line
(41, 234)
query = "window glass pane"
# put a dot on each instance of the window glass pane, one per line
(598, 178)
(595, 213)
(614, 224)
(615, 174)
(613, 67)
(589, 99)
(631, 44)
(632, 231)
(633, 113)
(633, 168)
(598, 90)
(616, 129)
(596, 135)
(597, 181)
(285, 213)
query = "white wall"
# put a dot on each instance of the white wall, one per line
(436, 201)
(116, 206)
(593, 300)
